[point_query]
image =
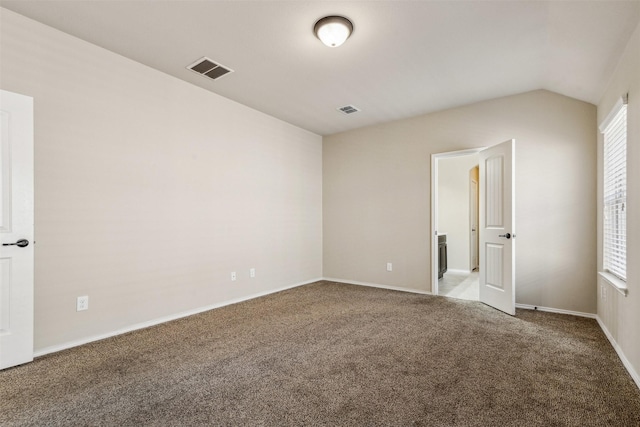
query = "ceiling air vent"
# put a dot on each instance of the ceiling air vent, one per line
(208, 68)
(348, 109)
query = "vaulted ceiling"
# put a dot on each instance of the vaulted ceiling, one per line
(404, 58)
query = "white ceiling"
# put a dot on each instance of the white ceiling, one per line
(404, 58)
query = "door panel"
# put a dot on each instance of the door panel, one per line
(494, 266)
(16, 223)
(5, 176)
(5, 294)
(497, 227)
(494, 191)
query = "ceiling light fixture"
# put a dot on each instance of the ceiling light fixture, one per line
(333, 30)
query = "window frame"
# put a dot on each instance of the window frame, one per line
(614, 195)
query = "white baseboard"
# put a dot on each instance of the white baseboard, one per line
(87, 340)
(616, 347)
(556, 310)
(375, 285)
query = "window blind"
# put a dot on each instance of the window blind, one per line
(615, 193)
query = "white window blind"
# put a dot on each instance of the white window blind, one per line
(615, 192)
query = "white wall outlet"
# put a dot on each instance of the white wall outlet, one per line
(82, 303)
(233, 276)
(252, 272)
(603, 292)
(389, 266)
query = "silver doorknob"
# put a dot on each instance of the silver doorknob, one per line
(508, 235)
(20, 243)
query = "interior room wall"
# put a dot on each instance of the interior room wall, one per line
(150, 191)
(620, 315)
(453, 208)
(376, 187)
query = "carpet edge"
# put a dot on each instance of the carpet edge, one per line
(376, 285)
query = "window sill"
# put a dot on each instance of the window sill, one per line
(616, 283)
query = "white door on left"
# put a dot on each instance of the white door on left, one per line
(16, 229)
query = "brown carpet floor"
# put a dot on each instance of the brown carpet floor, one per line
(334, 354)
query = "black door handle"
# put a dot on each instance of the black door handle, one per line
(508, 235)
(21, 243)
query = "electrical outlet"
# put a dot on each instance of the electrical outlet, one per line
(252, 272)
(389, 266)
(603, 292)
(82, 303)
(233, 276)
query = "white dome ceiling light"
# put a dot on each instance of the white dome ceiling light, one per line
(333, 30)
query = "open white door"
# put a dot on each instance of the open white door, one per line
(497, 227)
(16, 229)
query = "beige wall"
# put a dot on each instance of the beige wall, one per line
(376, 195)
(453, 208)
(620, 315)
(150, 191)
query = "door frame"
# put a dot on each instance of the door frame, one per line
(435, 158)
(474, 209)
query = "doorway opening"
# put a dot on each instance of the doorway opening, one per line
(454, 216)
(496, 230)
